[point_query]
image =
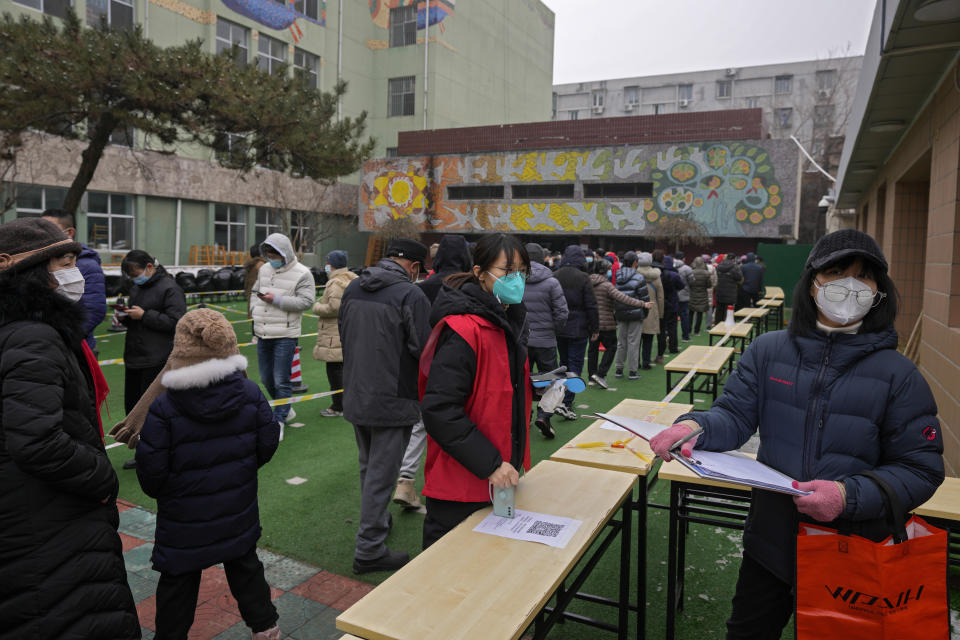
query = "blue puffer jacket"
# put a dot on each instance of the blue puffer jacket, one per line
(828, 407)
(94, 298)
(198, 455)
(546, 306)
(631, 283)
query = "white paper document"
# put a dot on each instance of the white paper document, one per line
(642, 428)
(736, 467)
(555, 531)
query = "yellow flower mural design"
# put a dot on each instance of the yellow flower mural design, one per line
(402, 193)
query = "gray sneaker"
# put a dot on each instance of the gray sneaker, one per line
(331, 413)
(600, 380)
(565, 412)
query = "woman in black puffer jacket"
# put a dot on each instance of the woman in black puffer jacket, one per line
(61, 565)
(831, 398)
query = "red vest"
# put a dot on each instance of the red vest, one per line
(490, 407)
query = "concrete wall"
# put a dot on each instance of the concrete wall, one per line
(895, 213)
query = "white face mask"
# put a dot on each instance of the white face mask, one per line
(846, 300)
(327, 268)
(70, 283)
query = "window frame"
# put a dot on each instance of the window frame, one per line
(779, 112)
(728, 94)
(309, 8)
(42, 8)
(110, 216)
(305, 72)
(268, 227)
(274, 65)
(401, 97)
(461, 192)
(221, 44)
(542, 191)
(230, 223)
(783, 85)
(684, 89)
(44, 200)
(109, 14)
(403, 26)
(822, 75)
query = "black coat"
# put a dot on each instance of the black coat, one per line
(752, 277)
(729, 278)
(631, 283)
(583, 320)
(384, 323)
(452, 375)
(453, 256)
(150, 339)
(61, 565)
(672, 285)
(198, 455)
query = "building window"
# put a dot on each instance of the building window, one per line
(783, 84)
(309, 8)
(109, 221)
(554, 107)
(271, 54)
(685, 92)
(307, 67)
(542, 190)
(116, 13)
(230, 146)
(56, 8)
(574, 114)
(599, 96)
(401, 96)
(403, 26)
(751, 102)
(33, 200)
(302, 232)
(631, 96)
(266, 221)
(123, 136)
(476, 192)
(823, 115)
(230, 35)
(826, 79)
(392, 152)
(660, 108)
(724, 88)
(618, 190)
(230, 227)
(783, 117)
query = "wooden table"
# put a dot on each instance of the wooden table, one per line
(740, 334)
(756, 315)
(474, 585)
(773, 292)
(717, 361)
(776, 308)
(695, 500)
(628, 462)
(943, 510)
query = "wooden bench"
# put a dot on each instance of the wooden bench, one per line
(711, 364)
(740, 334)
(776, 311)
(756, 315)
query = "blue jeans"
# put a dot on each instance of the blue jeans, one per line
(572, 351)
(275, 357)
(684, 309)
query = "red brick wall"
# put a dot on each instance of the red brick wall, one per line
(734, 124)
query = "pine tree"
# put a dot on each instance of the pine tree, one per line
(86, 83)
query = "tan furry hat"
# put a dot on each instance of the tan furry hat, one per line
(202, 334)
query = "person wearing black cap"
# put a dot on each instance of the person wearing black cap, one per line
(832, 398)
(61, 562)
(384, 323)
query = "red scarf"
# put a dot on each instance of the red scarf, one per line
(100, 388)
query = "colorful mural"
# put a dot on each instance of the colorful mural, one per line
(439, 10)
(275, 15)
(732, 189)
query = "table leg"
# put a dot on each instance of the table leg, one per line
(672, 561)
(623, 618)
(716, 383)
(669, 381)
(692, 385)
(711, 339)
(642, 558)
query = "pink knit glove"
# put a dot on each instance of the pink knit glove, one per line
(661, 443)
(826, 502)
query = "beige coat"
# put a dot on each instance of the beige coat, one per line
(328, 346)
(651, 324)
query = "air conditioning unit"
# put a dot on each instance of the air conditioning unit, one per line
(598, 109)
(630, 106)
(731, 72)
(684, 103)
(823, 93)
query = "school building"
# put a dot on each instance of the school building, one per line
(616, 183)
(899, 182)
(410, 64)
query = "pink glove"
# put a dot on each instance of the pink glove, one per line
(661, 443)
(826, 502)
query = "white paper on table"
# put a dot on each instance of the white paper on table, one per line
(643, 428)
(737, 467)
(555, 531)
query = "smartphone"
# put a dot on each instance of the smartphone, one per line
(503, 501)
(119, 307)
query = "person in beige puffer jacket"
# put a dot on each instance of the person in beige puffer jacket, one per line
(328, 348)
(651, 324)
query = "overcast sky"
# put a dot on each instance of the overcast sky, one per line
(600, 39)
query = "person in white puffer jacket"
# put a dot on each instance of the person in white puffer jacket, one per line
(283, 291)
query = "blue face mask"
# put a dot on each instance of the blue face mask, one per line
(276, 264)
(509, 288)
(141, 279)
(589, 260)
(609, 274)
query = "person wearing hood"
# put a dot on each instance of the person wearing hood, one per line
(283, 291)
(61, 559)
(546, 315)
(831, 398)
(384, 324)
(700, 282)
(198, 454)
(672, 285)
(629, 318)
(608, 298)
(94, 299)
(583, 323)
(651, 324)
(450, 255)
(729, 278)
(474, 384)
(752, 288)
(328, 348)
(683, 295)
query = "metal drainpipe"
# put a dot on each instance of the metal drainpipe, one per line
(426, 60)
(339, 54)
(176, 248)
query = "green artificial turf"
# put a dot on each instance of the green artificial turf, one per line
(316, 521)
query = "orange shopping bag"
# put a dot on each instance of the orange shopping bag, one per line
(852, 588)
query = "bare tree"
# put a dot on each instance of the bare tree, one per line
(680, 230)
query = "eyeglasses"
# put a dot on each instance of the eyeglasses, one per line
(522, 274)
(839, 293)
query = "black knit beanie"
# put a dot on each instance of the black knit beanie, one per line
(843, 243)
(28, 241)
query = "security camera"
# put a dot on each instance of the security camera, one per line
(825, 203)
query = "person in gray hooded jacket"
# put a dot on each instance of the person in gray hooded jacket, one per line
(546, 315)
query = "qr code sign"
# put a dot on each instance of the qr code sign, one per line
(545, 529)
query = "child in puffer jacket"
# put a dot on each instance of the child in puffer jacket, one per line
(198, 455)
